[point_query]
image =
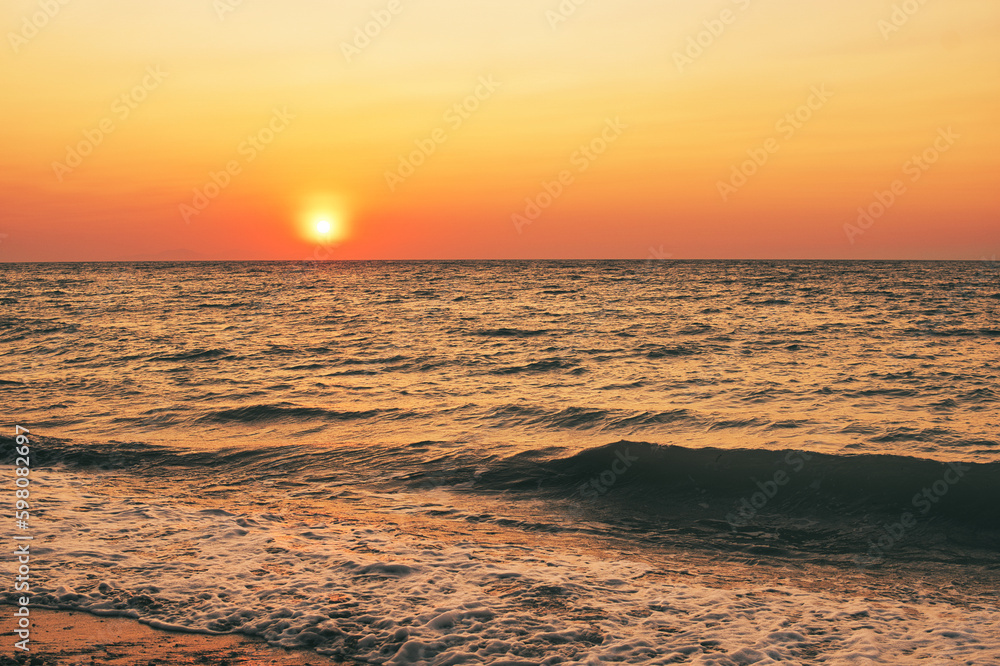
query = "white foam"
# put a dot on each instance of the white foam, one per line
(370, 585)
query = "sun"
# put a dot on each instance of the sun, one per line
(324, 227)
(327, 228)
(323, 219)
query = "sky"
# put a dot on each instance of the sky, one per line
(499, 129)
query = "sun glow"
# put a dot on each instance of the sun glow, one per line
(323, 220)
(326, 229)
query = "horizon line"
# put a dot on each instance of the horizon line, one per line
(467, 260)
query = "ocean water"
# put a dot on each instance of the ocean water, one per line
(519, 462)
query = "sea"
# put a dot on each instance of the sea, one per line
(516, 462)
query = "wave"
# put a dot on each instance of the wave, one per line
(546, 365)
(181, 416)
(781, 501)
(787, 500)
(586, 418)
(510, 333)
(959, 332)
(193, 355)
(287, 412)
(808, 480)
(663, 351)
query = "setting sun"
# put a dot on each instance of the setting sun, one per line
(323, 218)
(324, 228)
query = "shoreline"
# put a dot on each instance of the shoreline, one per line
(70, 638)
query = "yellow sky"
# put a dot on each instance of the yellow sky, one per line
(199, 77)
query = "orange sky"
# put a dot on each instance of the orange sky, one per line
(499, 129)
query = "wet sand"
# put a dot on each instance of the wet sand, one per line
(69, 638)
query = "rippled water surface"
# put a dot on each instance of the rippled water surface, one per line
(714, 463)
(879, 357)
